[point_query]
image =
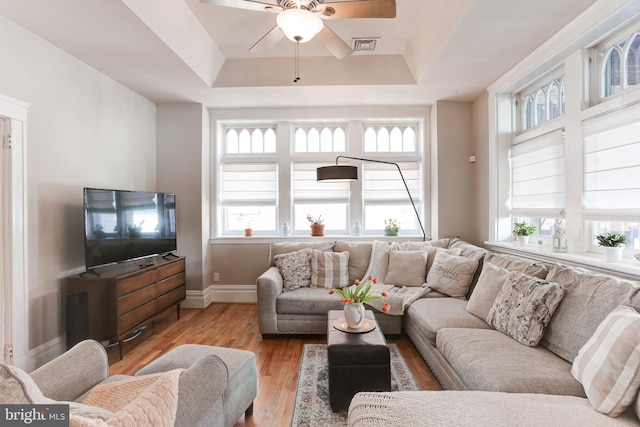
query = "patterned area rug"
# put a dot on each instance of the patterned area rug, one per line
(312, 396)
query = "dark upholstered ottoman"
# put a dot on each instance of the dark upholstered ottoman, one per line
(357, 362)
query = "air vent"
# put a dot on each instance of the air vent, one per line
(365, 44)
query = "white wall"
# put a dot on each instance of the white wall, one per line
(83, 129)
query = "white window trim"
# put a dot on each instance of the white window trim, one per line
(570, 47)
(386, 114)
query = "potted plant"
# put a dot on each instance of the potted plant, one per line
(317, 225)
(354, 298)
(98, 231)
(522, 231)
(612, 244)
(248, 231)
(391, 227)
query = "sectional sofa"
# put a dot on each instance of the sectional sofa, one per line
(488, 360)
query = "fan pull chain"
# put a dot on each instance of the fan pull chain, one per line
(297, 63)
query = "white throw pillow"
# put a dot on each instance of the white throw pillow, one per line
(406, 268)
(487, 289)
(329, 269)
(608, 365)
(451, 274)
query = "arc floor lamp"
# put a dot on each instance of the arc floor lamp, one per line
(350, 173)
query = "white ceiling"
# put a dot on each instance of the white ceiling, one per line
(187, 51)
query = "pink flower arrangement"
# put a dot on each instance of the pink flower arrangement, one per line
(360, 293)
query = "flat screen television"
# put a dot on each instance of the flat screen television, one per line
(126, 225)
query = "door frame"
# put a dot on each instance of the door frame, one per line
(15, 313)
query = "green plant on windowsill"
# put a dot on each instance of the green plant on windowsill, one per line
(391, 227)
(523, 229)
(611, 240)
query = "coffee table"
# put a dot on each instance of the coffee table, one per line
(357, 362)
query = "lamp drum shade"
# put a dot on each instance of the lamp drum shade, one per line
(337, 172)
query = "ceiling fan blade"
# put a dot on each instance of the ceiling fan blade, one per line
(335, 44)
(243, 4)
(268, 40)
(359, 9)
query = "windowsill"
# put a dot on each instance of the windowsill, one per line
(627, 268)
(306, 237)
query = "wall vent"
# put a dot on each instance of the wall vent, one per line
(365, 44)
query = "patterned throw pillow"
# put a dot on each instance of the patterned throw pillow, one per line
(608, 365)
(406, 268)
(329, 269)
(524, 306)
(295, 268)
(451, 274)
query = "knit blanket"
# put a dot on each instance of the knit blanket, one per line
(398, 297)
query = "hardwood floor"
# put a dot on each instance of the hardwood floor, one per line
(236, 326)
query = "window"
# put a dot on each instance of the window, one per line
(620, 65)
(267, 175)
(542, 103)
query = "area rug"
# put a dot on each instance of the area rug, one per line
(312, 408)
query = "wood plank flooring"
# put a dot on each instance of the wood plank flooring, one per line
(236, 326)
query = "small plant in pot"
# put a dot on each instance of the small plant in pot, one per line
(613, 245)
(391, 227)
(316, 224)
(522, 231)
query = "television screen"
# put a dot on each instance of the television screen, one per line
(125, 225)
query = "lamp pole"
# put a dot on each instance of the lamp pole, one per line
(424, 236)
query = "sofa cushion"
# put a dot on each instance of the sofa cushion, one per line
(470, 251)
(489, 285)
(307, 301)
(329, 269)
(524, 307)
(451, 274)
(608, 364)
(476, 408)
(486, 359)
(295, 268)
(359, 257)
(17, 387)
(514, 263)
(406, 268)
(588, 299)
(146, 400)
(432, 314)
(276, 248)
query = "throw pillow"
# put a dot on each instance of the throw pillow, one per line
(608, 365)
(17, 387)
(147, 400)
(451, 274)
(524, 307)
(431, 255)
(295, 268)
(406, 268)
(329, 269)
(489, 284)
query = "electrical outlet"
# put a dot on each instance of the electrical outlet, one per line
(216, 277)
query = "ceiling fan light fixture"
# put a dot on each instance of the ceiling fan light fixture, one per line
(299, 25)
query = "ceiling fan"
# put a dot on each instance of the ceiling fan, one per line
(301, 20)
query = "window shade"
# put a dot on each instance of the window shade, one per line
(306, 186)
(383, 182)
(249, 182)
(537, 173)
(612, 168)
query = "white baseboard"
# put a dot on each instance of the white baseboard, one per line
(41, 354)
(220, 293)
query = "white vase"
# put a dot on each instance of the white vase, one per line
(613, 254)
(354, 314)
(523, 240)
